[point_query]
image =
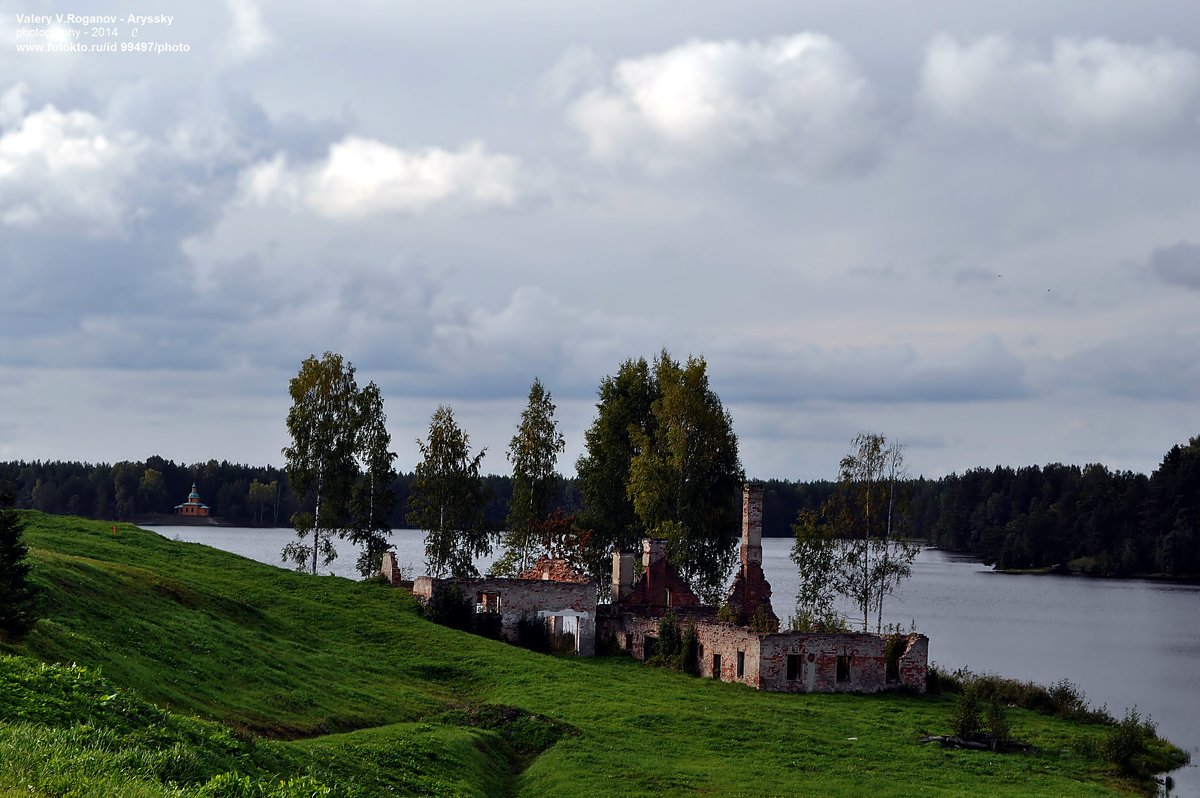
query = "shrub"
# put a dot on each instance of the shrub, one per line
(997, 721)
(532, 633)
(668, 651)
(1126, 746)
(939, 680)
(488, 624)
(966, 721)
(761, 622)
(449, 607)
(807, 621)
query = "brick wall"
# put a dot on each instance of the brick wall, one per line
(816, 667)
(765, 663)
(532, 597)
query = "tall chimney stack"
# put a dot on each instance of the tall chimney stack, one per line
(752, 501)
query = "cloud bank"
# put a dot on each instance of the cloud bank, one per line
(800, 103)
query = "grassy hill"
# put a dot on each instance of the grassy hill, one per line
(188, 671)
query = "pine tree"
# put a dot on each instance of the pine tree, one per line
(17, 596)
(447, 499)
(534, 452)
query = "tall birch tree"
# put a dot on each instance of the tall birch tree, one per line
(372, 499)
(853, 545)
(323, 423)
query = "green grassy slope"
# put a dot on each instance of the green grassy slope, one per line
(344, 685)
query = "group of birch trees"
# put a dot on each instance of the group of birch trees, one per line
(854, 545)
(661, 460)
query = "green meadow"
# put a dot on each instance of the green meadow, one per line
(162, 668)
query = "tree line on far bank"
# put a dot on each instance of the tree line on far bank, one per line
(1090, 518)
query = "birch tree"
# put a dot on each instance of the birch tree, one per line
(372, 499)
(853, 545)
(320, 462)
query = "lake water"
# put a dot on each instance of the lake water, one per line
(1124, 642)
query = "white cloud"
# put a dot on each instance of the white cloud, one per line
(362, 177)
(13, 104)
(249, 36)
(62, 171)
(1083, 89)
(800, 102)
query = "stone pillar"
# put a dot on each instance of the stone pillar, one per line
(752, 501)
(622, 575)
(389, 570)
(585, 640)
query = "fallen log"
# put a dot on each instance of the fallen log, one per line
(999, 746)
(955, 742)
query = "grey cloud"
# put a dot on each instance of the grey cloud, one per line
(1178, 264)
(982, 370)
(1147, 367)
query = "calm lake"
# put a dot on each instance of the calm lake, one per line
(1124, 642)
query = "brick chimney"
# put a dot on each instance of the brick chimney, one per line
(653, 550)
(752, 502)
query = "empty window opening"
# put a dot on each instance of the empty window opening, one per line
(893, 663)
(668, 597)
(741, 664)
(716, 674)
(793, 666)
(699, 652)
(487, 602)
(649, 647)
(629, 642)
(843, 668)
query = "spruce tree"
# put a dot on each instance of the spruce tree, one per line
(17, 598)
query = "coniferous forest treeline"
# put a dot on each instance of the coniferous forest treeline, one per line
(1089, 519)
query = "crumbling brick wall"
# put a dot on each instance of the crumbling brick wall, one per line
(863, 668)
(720, 647)
(765, 656)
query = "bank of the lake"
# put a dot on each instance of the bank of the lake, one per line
(275, 653)
(1126, 643)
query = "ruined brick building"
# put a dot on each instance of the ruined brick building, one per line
(753, 651)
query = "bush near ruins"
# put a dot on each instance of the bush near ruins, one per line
(450, 607)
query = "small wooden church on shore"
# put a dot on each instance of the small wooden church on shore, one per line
(193, 506)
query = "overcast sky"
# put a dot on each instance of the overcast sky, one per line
(972, 227)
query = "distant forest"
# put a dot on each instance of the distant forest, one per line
(1087, 519)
